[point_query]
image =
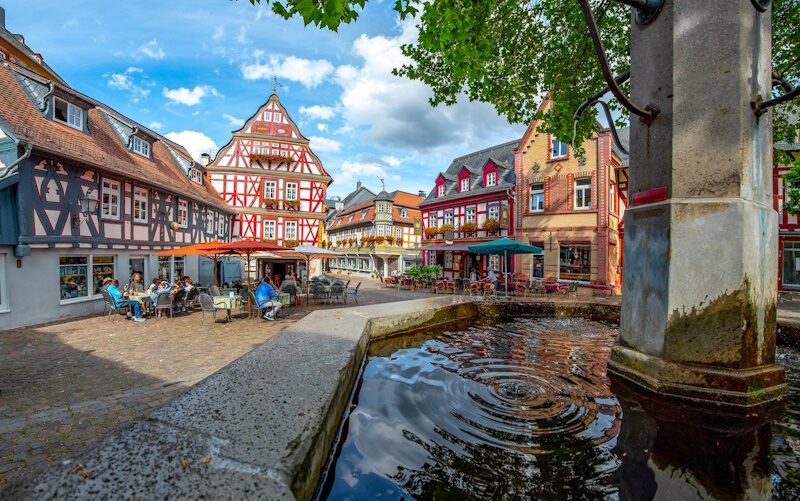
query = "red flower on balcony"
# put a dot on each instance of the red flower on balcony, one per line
(291, 204)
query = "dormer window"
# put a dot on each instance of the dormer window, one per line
(363, 213)
(403, 212)
(195, 175)
(491, 179)
(440, 190)
(141, 146)
(68, 113)
(350, 219)
(464, 184)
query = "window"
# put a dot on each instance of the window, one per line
(139, 205)
(398, 233)
(269, 230)
(791, 264)
(221, 226)
(583, 193)
(270, 189)
(277, 117)
(537, 197)
(381, 208)
(557, 148)
(364, 213)
(110, 199)
(209, 221)
(575, 263)
(74, 275)
(432, 223)
(448, 217)
(494, 212)
(68, 113)
(491, 179)
(196, 176)
(448, 260)
(267, 116)
(537, 261)
(471, 215)
(183, 213)
(178, 267)
(290, 230)
(3, 293)
(403, 212)
(380, 230)
(494, 262)
(464, 184)
(291, 191)
(141, 146)
(350, 219)
(612, 199)
(440, 190)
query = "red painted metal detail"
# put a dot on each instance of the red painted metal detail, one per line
(649, 196)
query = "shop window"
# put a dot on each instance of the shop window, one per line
(537, 261)
(575, 263)
(583, 193)
(82, 276)
(537, 197)
(448, 260)
(791, 264)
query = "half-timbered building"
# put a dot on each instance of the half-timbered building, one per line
(375, 233)
(573, 208)
(471, 202)
(270, 178)
(87, 193)
(788, 224)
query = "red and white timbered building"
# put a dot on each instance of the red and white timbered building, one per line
(788, 225)
(273, 181)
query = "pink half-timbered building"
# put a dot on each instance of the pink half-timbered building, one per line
(273, 181)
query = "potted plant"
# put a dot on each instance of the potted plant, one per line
(445, 228)
(399, 242)
(491, 226)
(291, 204)
(431, 233)
(323, 244)
(389, 240)
(290, 243)
(469, 228)
(269, 203)
(269, 240)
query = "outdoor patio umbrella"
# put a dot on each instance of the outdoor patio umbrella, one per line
(209, 249)
(504, 246)
(248, 248)
(309, 252)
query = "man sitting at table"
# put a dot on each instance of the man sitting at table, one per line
(267, 298)
(122, 302)
(136, 283)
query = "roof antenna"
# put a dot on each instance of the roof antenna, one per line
(383, 185)
(275, 84)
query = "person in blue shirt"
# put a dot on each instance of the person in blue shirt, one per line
(267, 298)
(122, 302)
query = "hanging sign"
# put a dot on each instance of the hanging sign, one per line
(417, 227)
(504, 216)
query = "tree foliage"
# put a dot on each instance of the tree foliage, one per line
(510, 53)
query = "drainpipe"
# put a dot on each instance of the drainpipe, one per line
(46, 99)
(134, 131)
(10, 169)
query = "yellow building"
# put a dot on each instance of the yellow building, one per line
(573, 208)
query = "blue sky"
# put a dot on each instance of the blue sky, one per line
(193, 70)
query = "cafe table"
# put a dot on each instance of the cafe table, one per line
(228, 302)
(143, 298)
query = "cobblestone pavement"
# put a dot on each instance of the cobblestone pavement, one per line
(64, 385)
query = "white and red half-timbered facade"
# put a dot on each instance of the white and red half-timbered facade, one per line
(273, 181)
(788, 225)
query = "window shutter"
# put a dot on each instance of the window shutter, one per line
(547, 193)
(570, 192)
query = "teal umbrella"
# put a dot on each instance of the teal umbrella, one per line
(504, 246)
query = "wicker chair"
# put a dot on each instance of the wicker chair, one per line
(207, 304)
(488, 290)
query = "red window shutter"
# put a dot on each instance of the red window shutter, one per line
(570, 192)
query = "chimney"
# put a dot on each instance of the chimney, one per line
(358, 185)
(2, 18)
(422, 193)
(205, 159)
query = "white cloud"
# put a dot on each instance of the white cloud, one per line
(194, 142)
(318, 112)
(156, 125)
(324, 145)
(242, 36)
(352, 171)
(192, 97)
(310, 73)
(392, 160)
(322, 127)
(152, 49)
(125, 81)
(219, 33)
(236, 122)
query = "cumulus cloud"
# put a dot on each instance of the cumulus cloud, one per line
(156, 125)
(195, 142)
(188, 97)
(152, 50)
(242, 36)
(353, 171)
(236, 122)
(392, 160)
(219, 33)
(322, 127)
(125, 81)
(318, 112)
(324, 145)
(309, 72)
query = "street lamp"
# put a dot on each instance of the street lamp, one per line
(88, 206)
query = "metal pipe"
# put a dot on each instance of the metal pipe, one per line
(760, 5)
(779, 80)
(46, 98)
(647, 114)
(591, 100)
(613, 127)
(646, 10)
(9, 170)
(760, 108)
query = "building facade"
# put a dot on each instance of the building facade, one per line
(573, 208)
(271, 179)
(788, 225)
(85, 194)
(375, 233)
(472, 201)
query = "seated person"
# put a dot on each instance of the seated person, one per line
(137, 285)
(121, 302)
(288, 280)
(267, 298)
(153, 287)
(188, 284)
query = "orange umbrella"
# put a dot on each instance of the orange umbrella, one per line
(210, 249)
(248, 247)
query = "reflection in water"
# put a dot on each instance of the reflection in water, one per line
(525, 410)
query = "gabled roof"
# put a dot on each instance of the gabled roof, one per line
(501, 155)
(30, 59)
(103, 148)
(356, 196)
(400, 200)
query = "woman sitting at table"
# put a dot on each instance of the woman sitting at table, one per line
(122, 302)
(153, 287)
(268, 298)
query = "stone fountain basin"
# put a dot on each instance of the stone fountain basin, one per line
(263, 426)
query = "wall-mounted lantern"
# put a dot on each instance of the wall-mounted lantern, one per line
(88, 205)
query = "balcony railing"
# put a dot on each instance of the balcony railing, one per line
(459, 234)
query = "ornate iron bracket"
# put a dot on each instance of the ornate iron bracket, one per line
(646, 10)
(760, 106)
(647, 114)
(761, 5)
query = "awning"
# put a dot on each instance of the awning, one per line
(443, 247)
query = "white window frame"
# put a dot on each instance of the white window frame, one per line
(220, 224)
(277, 117)
(493, 208)
(4, 305)
(432, 220)
(491, 179)
(92, 294)
(612, 199)
(291, 195)
(140, 147)
(195, 175)
(113, 189)
(183, 210)
(380, 230)
(381, 208)
(270, 189)
(474, 212)
(555, 155)
(209, 221)
(463, 184)
(539, 194)
(448, 216)
(494, 262)
(398, 233)
(270, 229)
(403, 212)
(586, 193)
(286, 226)
(140, 205)
(440, 189)
(74, 116)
